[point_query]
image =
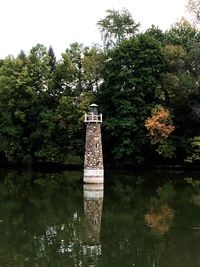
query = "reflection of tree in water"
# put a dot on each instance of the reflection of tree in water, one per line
(41, 220)
(194, 190)
(160, 215)
(160, 218)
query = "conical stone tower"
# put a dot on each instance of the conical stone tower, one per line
(93, 162)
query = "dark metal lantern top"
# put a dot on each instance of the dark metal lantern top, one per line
(93, 116)
(94, 109)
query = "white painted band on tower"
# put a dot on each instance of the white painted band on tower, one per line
(93, 194)
(94, 173)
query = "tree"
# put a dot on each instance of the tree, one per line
(12, 115)
(53, 133)
(86, 68)
(194, 59)
(75, 53)
(52, 60)
(24, 91)
(194, 150)
(59, 134)
(116, 27)
(159, 127)
(180, 87)
(22, 56)
(93, 67)
(182, 34)
(132, 73)
(176, 57)
(193, 8)
(156, 33)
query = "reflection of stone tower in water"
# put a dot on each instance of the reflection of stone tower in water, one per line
(93, 204)
(93, 163)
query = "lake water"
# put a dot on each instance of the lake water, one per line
(149, 219)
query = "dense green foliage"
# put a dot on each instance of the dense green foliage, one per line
(43, 100)
(128, 93)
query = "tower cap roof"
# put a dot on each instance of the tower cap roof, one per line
(93, 105)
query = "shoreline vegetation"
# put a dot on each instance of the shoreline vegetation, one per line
(146, 84)
(57, 167)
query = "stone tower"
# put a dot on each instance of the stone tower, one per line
(93, 163)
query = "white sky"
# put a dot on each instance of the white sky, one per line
(24, 23)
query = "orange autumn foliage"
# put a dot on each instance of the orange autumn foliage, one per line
(159, 125)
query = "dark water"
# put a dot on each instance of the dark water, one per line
(146, 219)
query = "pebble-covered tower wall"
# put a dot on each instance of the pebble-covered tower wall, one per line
(93, 162)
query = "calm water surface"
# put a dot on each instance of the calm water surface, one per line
(149, 219)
